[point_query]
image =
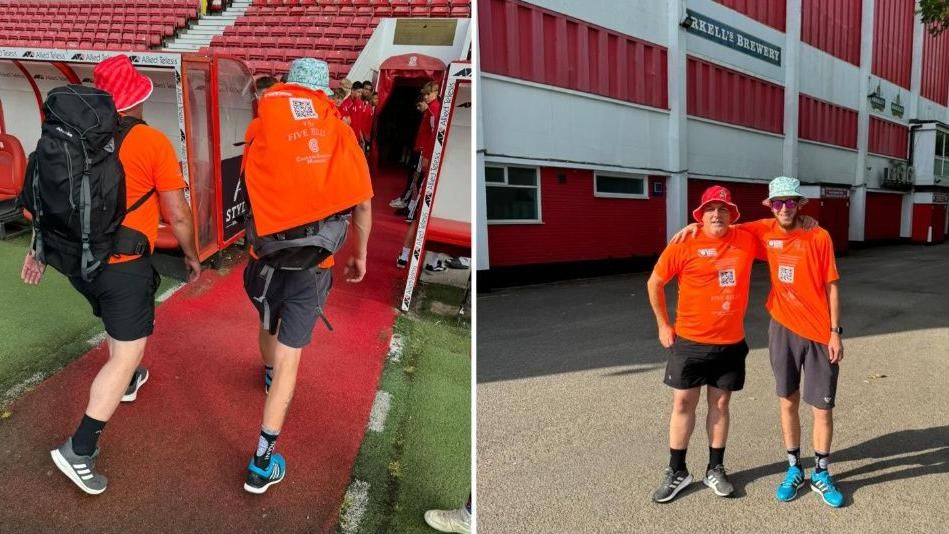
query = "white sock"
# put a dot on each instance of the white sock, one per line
(405, 254)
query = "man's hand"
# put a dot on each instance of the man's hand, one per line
(836, 348)
(689, 231)
(807, 222)
(33, 269)
(667, 335)
(193, 267)
(355, 269)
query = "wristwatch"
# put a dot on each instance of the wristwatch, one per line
(837, 329)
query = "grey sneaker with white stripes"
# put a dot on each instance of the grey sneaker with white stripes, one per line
(716, 479)
(80, 469)
(672, 483)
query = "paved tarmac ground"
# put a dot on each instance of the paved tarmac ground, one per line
(573, 417)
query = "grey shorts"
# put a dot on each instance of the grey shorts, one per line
(791, 355)
(288, 302)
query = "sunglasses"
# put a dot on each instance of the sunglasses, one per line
(790, 204)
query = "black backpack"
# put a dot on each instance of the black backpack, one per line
(75, 184)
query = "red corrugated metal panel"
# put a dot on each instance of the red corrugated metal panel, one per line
(893, 40)
(833, 27)
(611, 227)
(724, 95)
(827, 123)
(883, 216)
(936, 67)
(747, 196)
(524, 41)
(888, 138)
(770, 12)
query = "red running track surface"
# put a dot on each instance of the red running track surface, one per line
(176, 458)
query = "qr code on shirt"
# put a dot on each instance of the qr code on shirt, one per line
(786, 274)
(302, 108)
(726, 278)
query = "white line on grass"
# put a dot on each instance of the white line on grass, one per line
(396, 345)
(169, 292)
(18, 389)
(356, 499)
(380, 410)
(96, 339)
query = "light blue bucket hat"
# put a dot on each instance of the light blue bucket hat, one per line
(783, 186)
(311, 73)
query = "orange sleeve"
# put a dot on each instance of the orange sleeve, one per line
(828, 260)
(757, 228)
(670, 263)
(165, 169)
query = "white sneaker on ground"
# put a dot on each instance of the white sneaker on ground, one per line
(458, 521)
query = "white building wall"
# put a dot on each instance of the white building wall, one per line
(645, 19)
(830, 79)
(828, 164)
(722, 151)
(560, 127)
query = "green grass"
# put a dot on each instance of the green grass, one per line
(43, 327)
(422, 459)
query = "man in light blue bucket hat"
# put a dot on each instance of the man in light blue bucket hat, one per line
(311, 73)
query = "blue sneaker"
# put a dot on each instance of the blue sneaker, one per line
(793, 481)
(823, 484)
(258, 480)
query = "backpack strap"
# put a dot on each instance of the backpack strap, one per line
(125, 125)
(128, 241)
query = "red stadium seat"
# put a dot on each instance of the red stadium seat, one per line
(12, 167)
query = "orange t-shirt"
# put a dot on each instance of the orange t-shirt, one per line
(150, 162)
(801, 263)
(714, 276)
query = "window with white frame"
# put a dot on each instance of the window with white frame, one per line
(512, 193)
(941, 165)
(612, 185)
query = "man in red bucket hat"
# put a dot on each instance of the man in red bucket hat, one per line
(707, 342)
(123, 293)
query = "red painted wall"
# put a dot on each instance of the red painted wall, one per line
(888, 138)
(926, 215)
(883, 216)
(724, 95)
(770, 12)
(578, 227)
(893, 40)
(936, 67)
(827, 123)
(524, 41)
(747, 196)
(833, 26)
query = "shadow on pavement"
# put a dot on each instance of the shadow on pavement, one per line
(928, 451)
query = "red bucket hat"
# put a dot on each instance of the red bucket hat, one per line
(716, 193)
(118, 77)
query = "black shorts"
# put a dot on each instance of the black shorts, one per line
(792, 356)
(692, 364)
(290, 302)
(123, 295)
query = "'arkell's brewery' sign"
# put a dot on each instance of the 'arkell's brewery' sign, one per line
(735, 39)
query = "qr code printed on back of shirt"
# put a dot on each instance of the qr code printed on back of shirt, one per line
(786, 274)
(302, 108)
(726, 278)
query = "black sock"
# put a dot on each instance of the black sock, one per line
(821, 460)
(794, 456)
(265, 447)
(716, 457)
(677, 459)
(86, 436)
